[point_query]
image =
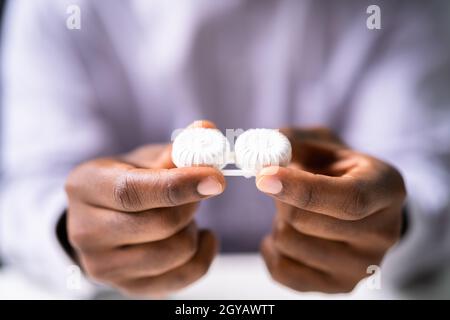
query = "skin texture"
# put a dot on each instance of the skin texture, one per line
(338, 212)
(130, 221)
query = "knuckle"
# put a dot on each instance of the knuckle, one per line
(361, 202)
(280, 237)
(71, 185)
(199, 269)
(126, 192)
(393, 236)
(83, 234)
(186, 246)
(95, 271)
(276, 270)
(190, 247)
(77, 239)
(275, 274)
(105, 268)
(81, 238)
(279, 275)
(173, 221)
(75, 181)
(167, 191)
(173, 192)
(294, 219)
(306, 200)
(299, 221)
(357, 204)
(387, 238)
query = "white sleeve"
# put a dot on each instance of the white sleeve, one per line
(401, 113)
(50, 124)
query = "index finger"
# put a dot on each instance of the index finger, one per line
(348, 197)
(119, 186)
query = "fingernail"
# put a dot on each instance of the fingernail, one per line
(202, 124)
(209, 187)
(269, 184)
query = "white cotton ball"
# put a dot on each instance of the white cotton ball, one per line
(200, 147)
(259, 148)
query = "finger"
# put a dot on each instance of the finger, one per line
(346, 197)
(317, 225)
(329, 256)
(315, 150)
(143, 260)
(98, 229)
(378, 231)
(178, 278)
(119, 186)
(293, 274)
(319, 135)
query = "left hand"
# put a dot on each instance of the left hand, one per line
(338, 212)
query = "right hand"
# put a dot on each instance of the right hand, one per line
(130, 221)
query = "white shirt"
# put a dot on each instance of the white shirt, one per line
(137, 70)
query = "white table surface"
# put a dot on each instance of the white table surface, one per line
(242, 276)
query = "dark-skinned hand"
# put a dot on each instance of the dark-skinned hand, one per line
(338, 212)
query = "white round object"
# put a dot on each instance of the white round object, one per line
(259, 148)
(200, 147)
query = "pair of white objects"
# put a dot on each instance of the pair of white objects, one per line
(253, 150)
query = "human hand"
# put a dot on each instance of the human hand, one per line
(338, 212)
(130, 221)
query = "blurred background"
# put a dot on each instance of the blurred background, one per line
(2, 6)
(134, 72)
